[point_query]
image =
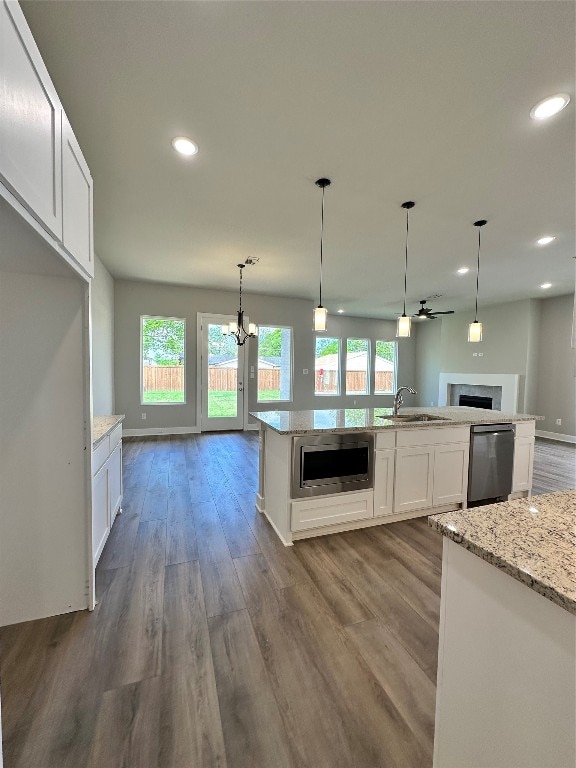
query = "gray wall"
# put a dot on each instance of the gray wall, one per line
(102, 341)
(556, 388)
(133, 299)
(530, 338)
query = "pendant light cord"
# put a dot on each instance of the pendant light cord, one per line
(240, 290)
(406, 261)
(321, 244)
(477, 278)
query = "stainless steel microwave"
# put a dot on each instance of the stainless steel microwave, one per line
(332, 463)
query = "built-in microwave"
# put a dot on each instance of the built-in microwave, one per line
(331, 463)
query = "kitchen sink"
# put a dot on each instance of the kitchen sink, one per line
(410, 417)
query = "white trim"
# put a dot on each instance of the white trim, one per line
(251, 427)
(273, 524)
(556, 436)
(508, 382)
(161, 431)
(260, 503)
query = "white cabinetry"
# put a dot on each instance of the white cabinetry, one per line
(523, 456)
(331, 510)
(384, 482)
(30, 122)
(414, 477)
(106, 488)
(42, 171)
(431, 468)
(77, 236)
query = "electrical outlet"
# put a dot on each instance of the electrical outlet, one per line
(143, 416)
(480, 354)
(558, 422)
(305, 371)
(474, 354)
(251, 371)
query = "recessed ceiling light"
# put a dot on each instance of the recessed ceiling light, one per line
(550, 106)
(463, 270)
(340, 311)
(184, 146)
(546, 240)
(546, 285)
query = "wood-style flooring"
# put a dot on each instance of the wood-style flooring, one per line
(214, 645)
(554, 466)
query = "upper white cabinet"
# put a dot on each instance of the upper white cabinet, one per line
(30, 122)
(41, 164)
(77, 236)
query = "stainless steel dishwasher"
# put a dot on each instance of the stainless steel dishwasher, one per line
(491, 462)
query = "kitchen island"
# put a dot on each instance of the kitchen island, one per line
(506, 690)
(417, 464)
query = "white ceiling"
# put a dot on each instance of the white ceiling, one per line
(393, 101)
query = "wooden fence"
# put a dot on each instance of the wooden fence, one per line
(171, 378)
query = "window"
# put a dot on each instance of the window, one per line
(274, 363)
(163, 360)
(327, 367)
(385, 368)
(357, 369)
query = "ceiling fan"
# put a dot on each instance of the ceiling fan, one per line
(425, 313)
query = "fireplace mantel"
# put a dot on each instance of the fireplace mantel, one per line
(508, 382)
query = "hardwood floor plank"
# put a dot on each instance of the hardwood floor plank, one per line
(190, 725)
(222, 592)
(314, 722)
(211, 540)
(392, 546)
(554, 466)
(181, 545)
(409, 688)
(155, 505)
(415, 634)
(335, 589)
(377, 730)
(179, 503)
(283, 562)
(238, 534)
(126, 732)
(420, 539)
(139, 629)
(253, 730)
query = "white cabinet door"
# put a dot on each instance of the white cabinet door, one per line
(413, 478)
(115, 481)
(30, 122)
(77, 235)
(523, 464)
(383, 482)
(450, 473)
(100, 520)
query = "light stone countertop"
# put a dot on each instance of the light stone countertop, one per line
(374, 419)
(102, 426)
(533, 540)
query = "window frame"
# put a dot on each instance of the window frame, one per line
(339, 358)
(369, 367)
(279, 400)
(395, 379)
(160, 317)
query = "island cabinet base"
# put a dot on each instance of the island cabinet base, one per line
(506, 690)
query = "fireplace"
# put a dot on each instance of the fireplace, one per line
(475, 401)
(503, 388)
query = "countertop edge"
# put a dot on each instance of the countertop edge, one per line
(544, 589)
(115, 419)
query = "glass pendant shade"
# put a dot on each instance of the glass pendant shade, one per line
(252, 329)
(475, 331)
(320, 317)
(403, 327)
(233, 327)
(225, 330)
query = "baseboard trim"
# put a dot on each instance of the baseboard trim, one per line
(250, 427)
(556, 436)
(160, 431)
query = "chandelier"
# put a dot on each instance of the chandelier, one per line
(237, 329)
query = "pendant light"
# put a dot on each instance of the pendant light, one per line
(237, 329)
(404, 321)
(475, 328)
(320, 312)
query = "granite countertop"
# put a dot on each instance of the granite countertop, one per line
(374, 419)
(102, 426)
(533, 540)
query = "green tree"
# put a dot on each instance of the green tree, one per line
(270, 342)
(326, 346)
(163, 341)
(386, 349)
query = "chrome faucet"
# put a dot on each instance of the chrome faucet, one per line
(398, 398)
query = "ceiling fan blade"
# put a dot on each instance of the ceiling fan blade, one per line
(448, 312)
